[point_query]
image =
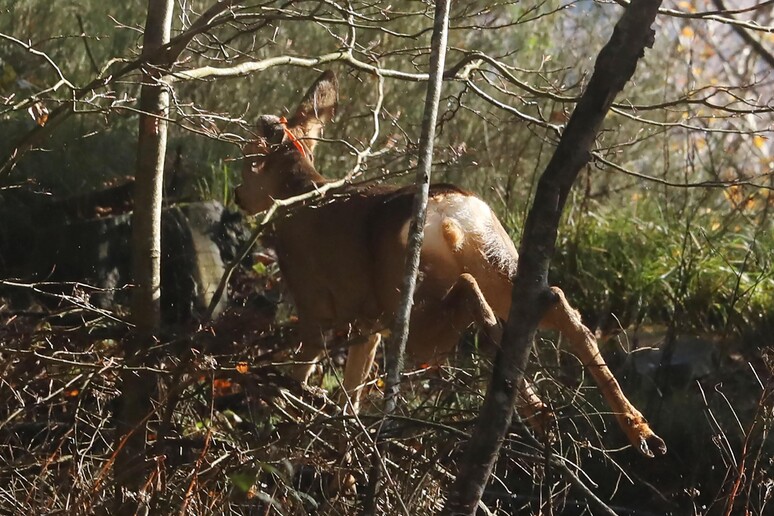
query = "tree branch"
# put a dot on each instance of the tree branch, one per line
(460, 71)
(742, 32)
(615, 65)
(167, 53)
(715, 16)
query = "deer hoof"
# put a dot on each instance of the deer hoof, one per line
(652, 445)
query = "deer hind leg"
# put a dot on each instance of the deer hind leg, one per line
(467, 296)
(562, 317)
(439, 321)
(360, 359)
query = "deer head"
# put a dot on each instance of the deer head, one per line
(279, 161)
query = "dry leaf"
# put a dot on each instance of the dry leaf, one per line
(39, 113)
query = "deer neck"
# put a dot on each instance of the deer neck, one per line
(295, 175)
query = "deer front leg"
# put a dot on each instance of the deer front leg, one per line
(562, 317)
(312, 345)
(360, 359)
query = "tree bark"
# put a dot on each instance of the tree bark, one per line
(531, 296)
(400, 327)
(137, 386)
(396, 346)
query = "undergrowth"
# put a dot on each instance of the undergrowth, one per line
(703, 270)
(234, 435)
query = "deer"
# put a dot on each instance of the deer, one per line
(342, 260)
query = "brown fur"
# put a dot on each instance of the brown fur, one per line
(343, 262)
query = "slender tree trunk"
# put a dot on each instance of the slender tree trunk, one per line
(531, 295)
(138, 387)
(400, 328)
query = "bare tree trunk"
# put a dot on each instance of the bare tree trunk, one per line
(137, 387)
(400, 327)
(396, 347)
(615, 65)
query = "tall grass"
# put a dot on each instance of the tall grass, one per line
(707, 268)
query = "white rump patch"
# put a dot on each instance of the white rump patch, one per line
(458, 222)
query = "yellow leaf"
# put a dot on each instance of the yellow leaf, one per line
(687, 32)
(759, 141)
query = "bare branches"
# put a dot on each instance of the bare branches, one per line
(459, 72)
(29, 48)
(170, 52)
(615, 65)
(742, 32)
(79, 297)
(717, 16)
(218, 13)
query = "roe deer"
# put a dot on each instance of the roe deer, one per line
(343, 261)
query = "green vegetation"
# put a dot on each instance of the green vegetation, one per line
(699, 269)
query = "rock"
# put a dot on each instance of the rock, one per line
(84, 243)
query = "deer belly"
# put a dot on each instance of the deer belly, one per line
(332, 299)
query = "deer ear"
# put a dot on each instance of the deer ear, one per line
(317, 107)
